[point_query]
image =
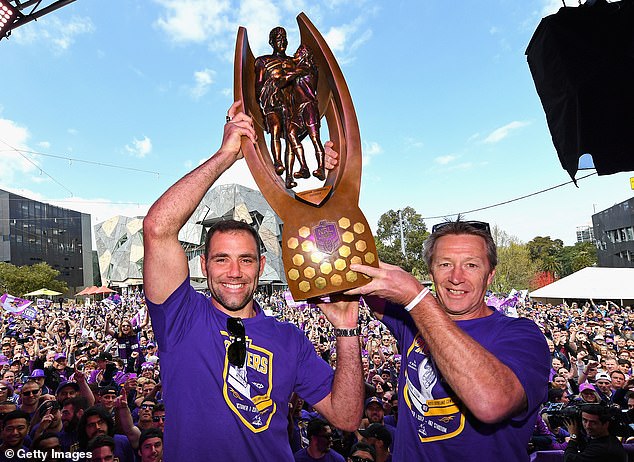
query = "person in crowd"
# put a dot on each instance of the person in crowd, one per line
(320, 436)
(158, 416)
(228, 342)
(49, 444)
(362, 452)
(599, 445)
(603, 386)
(72, 411)
(96, 421)
(29, 396)
(15, 426)
(151, 445)
(102, 448)
(380, 438)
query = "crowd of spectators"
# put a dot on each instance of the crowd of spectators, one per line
(86, 377)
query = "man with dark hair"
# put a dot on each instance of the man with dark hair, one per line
(362, 452)
(599, 445)
(557, 395)
(48, 442)
(96, 421)
(319, 444)
(102, 448)
(225, 354)
(380, 438)
(72, 410)
(475, 378)
(151, 445)
(15, 426)
(158, 416)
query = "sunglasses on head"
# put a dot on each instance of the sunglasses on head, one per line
(479, 225)
(237, 351)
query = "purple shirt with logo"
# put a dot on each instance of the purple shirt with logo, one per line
(433, 424)
(215, 408)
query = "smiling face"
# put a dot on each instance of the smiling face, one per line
(461, 272)
(232, 269)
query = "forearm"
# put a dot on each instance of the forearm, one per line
(488, 388)
(127, 425)
(347, 387)
(86, 392)
(172, 210)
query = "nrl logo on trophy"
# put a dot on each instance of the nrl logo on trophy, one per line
(287, 97)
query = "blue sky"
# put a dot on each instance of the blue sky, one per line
(449, 116)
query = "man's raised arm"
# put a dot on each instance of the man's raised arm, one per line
(164, 262)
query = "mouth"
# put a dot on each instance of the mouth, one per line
(233, 286)
(456, 292)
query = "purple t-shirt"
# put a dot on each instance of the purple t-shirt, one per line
(238, 414)
(433, 424)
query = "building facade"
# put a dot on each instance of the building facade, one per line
(585, 234)
(34, 232)
(614, 234)
(120, 239)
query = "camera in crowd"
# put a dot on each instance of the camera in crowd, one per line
(621, 422)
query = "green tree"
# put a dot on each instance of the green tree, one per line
(515, 268)
(19, 280)
(388, 240)
(547, 253)
(584, 254)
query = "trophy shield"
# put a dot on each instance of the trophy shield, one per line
(324, 230)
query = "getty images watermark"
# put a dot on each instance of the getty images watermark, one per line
(38, 454)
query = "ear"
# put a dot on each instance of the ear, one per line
(203, 264)
(262, 263)
(490, 277)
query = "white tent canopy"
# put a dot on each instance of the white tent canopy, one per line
(595, 283)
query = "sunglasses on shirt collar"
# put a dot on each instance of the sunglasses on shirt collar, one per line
(479, 225)
(237, 351)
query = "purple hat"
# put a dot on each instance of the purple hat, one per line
(59, 356)
(586, 386)
(4, 360)
(151, 344)
(371, 400)
(37, 374)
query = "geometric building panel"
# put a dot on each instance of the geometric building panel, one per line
(120, 239)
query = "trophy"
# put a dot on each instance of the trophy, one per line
(287, 96)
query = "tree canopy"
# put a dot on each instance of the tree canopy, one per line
(388, 240)
(19, 280)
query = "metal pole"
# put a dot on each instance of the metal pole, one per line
(400, 225)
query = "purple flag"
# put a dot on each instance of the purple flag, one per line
(14, 304)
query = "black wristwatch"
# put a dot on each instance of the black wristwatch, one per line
(347, 332)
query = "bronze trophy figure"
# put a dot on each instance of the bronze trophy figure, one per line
(324, 229)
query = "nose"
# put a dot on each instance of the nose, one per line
(234, 269)
(457, 275)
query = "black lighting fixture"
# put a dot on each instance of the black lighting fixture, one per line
(8, 16)
(16, 13)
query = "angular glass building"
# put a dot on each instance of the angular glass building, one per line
(120, 239)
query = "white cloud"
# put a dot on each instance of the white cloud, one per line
(140, 148)
(370, 150)
(203, 80)
(502, 132)
(444, 160)
(14, 165)
(552, 6)
(193, 20)
(44, 144)
(53, 32)
(345, 39)
(413, 143)
(72, 131)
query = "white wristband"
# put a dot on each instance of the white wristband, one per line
(417, 299)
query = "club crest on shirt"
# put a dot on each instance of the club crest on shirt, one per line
(437, 415)
(247, 390)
